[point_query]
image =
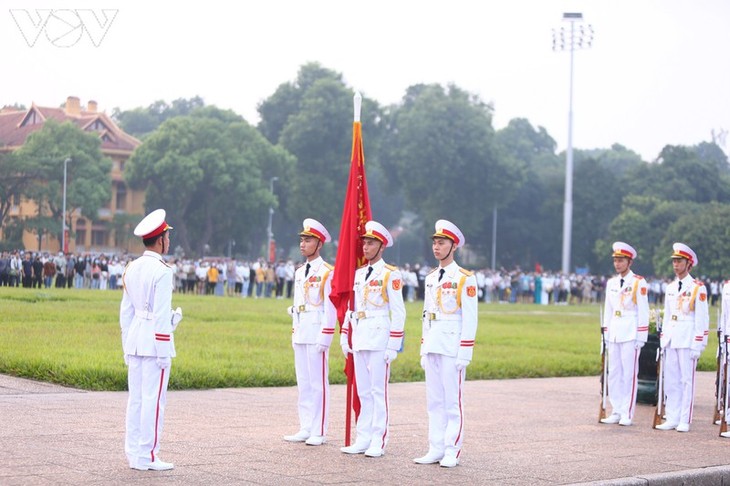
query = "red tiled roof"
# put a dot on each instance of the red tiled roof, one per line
(12, 134)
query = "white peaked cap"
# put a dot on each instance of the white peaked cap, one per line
(621, 249)
(377, 231)
(680, 250)
(152, 225)
(312, 227)
(447, 229)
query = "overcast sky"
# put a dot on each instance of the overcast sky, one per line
(656, 74)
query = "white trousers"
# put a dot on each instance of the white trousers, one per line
(679, 385)
(445, 403)
(312, 370)
(145, 409)
(623, 366)
(371, 375)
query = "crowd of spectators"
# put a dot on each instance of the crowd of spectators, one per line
(43, 270)
(260, 279)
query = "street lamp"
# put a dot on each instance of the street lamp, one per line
(580, 38)
(271, 215)
(64, 244)
(494, 238)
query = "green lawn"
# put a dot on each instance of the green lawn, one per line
(72, 337)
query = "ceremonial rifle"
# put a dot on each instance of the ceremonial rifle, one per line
(604, 370)
(723, 420)
(720, 377)
(659, 373)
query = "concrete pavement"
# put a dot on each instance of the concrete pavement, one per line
(518, 432)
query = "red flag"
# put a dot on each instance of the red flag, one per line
(355, 214)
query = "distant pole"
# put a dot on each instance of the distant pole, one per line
(580, 38)
(494, 238)
(271, 215)
(64, 236)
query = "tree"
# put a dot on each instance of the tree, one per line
(88, 173)
(529, 226)
(683, 174)
(643, 223)
(597, 199)
(15, 177)
(706, 232)
(140, 122)
(287, 100)
(445, 155)
(312, 119)
(210, 170)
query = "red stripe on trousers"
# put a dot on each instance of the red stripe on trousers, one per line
(387, 412)
(157, 413)
(692, 402)
(461, 412)
(324, 393)
(633, 385)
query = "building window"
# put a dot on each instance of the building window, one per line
(80, 236)
(98, 126)
(121, 197)
(80, 232)
(31, 118)
(98, 237)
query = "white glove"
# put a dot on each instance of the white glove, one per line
(694, 354)
(290, 310)
(390, 355)
(126, 359)
(164, 363)
(176, 318)
(461, 364)
(638, 344)
(321, 348)
(346, 350)
(423, 362)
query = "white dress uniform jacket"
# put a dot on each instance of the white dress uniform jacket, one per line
(313, 314)
(450, 313)
(379, 316)
(686, 315)
(626, 315)
(145, 314)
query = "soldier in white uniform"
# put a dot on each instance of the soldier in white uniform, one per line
(449, 329)
(313, 327)
(683, 337)
(147, 323)
(626, 328)
(376, 325)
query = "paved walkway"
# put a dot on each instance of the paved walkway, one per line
(518, 432)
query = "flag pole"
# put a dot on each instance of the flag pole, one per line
(355, 213)
(350, 360)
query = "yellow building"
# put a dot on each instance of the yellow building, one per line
(86, 236)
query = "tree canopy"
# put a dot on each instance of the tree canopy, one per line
(434, 154)
(211, 169)
(39, 163)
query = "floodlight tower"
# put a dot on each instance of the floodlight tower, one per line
(578, 37)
